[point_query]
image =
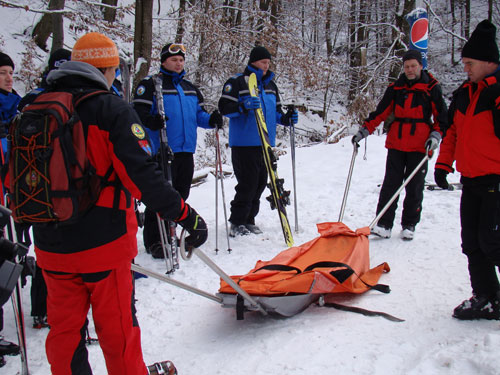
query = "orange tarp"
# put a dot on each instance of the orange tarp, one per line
(336, 244)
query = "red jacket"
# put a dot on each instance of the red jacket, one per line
(418, 108)
(473, 139)
(106, 237)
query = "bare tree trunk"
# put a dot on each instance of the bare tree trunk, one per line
(328, 27)
(490, 10)
(180, 22)
(143, 37)
(57, 27)
(467, 19)
(109, 14)
(453, 23)
(44, 28)
(404, 27)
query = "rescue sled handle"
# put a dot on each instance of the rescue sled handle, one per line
(189, 288)
(348, 183)
(396, 194)
(186, 255)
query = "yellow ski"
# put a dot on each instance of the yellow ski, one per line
(278, 195)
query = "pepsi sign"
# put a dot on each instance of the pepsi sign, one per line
(419, 32)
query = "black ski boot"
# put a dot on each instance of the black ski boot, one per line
(478, 307)
(8, 348)
(165, 367)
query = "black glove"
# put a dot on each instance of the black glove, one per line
(195, 226)
(216, 120)
(361, 134)
(440, 178)
(291, 117)
(155, 122)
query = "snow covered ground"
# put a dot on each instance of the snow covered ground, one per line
(428, 279)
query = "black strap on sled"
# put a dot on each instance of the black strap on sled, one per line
(340, 275)
(365, 312)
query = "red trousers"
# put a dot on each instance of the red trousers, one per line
(110, 294)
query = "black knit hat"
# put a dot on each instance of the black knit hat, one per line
(482, 44)
(413, 54)
(58, 57)
(259, 53)
(166, 53)
(6, 60)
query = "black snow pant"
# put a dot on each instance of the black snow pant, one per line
(182, 168)
(399, 166)
(251, 175)
(38, 294)
(480, 219)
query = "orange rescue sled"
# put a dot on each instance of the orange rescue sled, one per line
(337, 261)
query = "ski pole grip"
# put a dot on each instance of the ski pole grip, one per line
(185, 254)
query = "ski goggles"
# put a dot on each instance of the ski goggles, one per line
(175, 48)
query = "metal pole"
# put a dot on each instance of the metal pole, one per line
(396, 194)
(221, 175)
(155, 275)
(348, 183)
(292, 147)
(200, 254)
(216, 192)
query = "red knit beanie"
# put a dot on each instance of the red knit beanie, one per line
(96, 49)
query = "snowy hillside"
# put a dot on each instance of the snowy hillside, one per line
(428, 279)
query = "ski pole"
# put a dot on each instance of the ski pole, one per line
(292, 148)
(216, 198)
(348, 183)
(221, 176)
(171, 257)
(17, 306)
(186, 255)
(396, 194)
(155, 275)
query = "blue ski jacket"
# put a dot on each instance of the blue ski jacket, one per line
(8, 109)
(183, 104)
(242, 125)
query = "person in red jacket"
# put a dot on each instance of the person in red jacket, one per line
(420, 113)
(89, 263)
(473, 141)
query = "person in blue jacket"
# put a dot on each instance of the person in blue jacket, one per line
(184, 113)
(9, 99)
(246, 151)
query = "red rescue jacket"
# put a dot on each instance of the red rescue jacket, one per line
(473, 139)
(105, 237)
(419, 109)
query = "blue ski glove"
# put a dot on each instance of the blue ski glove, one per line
(251, 102)
(291, 117)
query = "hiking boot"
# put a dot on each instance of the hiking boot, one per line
(2, 361)
(381, 231)
(8, 348)
(408, 232)
(253, 228)
(165, 367)
(40, 322)
(478, 307)
(156, 251)
(238, 230)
